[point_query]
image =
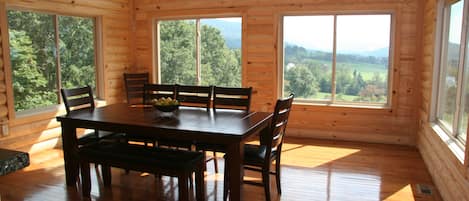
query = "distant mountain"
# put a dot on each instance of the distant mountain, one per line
(382, 52)
(296, 54)
(453, 51)
(230, 30)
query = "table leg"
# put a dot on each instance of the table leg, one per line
(70, 158)
(235, 154)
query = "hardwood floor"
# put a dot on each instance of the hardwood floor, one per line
(311, 170)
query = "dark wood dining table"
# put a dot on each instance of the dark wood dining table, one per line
(228, 128)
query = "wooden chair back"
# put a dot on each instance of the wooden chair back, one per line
(198, 96)
(78, 98)
(232, 98)
(134, 86)
(157, 91)
(278, 125)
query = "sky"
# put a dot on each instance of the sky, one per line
(456, 22)
(355, 33)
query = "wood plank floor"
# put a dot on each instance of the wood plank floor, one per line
(311, 170)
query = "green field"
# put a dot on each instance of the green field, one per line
(366, 70)
(326, 96)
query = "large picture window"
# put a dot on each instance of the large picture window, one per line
(341, 59)
(453, 71)
(49, 52)
(200, 51)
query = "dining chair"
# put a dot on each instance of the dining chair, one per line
(226, 98)
(195, 96)
(260, 157)
(157, 91)
(81, 98)
(232, 98)
(134, 86)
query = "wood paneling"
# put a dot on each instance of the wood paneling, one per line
(449, 174)
(41, 130)
(340, 171)
(261, 21)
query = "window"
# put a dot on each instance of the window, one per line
(200, 51)
(453, 71)
(49, 52)
(341, 59)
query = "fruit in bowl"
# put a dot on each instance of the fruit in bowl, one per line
(165, 104)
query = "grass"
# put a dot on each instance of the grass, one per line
(367, 70)
(326, 96)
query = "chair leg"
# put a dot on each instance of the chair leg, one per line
(191, 181)
(266, 181)
(106, 172)
(199, 184)
(225, 182)
(85, 179)
(277, 175)
(183, 188)
(215, 162)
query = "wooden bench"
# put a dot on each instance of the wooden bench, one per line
(177, 163)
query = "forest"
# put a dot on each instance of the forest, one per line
(219, 64)
(35, 60)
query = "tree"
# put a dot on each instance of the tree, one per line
(220, 65)
(34, 56)
(301, 81)
(177, 52)
(357, 84)
(77, 58)
(29, 83)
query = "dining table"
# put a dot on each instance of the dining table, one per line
(228, 128)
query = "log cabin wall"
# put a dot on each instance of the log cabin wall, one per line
(41, 131)
(448, 173)
(261, 18)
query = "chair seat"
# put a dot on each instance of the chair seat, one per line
(109, 153)
(255, 154)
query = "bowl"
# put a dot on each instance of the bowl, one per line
(166, 108)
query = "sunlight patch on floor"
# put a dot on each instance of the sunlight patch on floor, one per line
(304, 155)
(404, 192)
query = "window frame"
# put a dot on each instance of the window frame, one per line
(156, 44)
(98, 61)
(333, 102)
(440, 52)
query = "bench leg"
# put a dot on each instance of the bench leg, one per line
(199, 185)
(106, 172)
(183, 188)
(85, 179)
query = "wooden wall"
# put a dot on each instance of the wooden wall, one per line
(395, 125)
(449, 174)
(37, 132)
(128, 37)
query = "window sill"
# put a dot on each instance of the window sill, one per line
(43, 113)
(308, 103)
(453, 144)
